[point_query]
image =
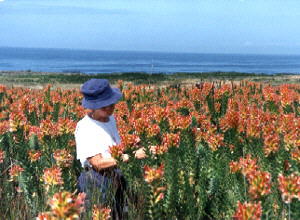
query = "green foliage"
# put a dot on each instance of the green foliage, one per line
(197, 182)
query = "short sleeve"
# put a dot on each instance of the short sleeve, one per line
(90, 141)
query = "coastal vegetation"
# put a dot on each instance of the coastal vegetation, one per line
(29, 78)
(222, 151)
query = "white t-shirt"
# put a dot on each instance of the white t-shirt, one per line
(93, 137)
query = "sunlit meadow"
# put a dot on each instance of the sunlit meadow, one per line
(222, 151)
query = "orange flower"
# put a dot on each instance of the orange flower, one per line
(234, 166)
(248, 211)
(130, 140)
(139, 121)
(291, 139)
(63, 157)
(253, 127)
(159, 194)
(65, 126)
(224, 89)
(152, 174)
(171, 140)
(17, 120)
(289, 127)
(153, 130)
(159, 113)
(260, 183)
(271, 143)
(80, 111)
(269, 94)
(15, 171)
(2, 88)
(34, 155)
(160, 149)
(56, 96)
(65, 205)
(178, 121)
(101, 213)
(230, 120)
(35, 130)
(206, 88)
(245, 165)
(4, 127)
(45, 216)
(116, 151)
(217, 106)
(52, 176)
(48, 128)
(288, 96)
(289, 187)
(46, 108)
(295, 154)
(214, 140)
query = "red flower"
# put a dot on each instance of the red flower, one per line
(15, 171)
(64, 205)
(245, 165)
(65, 126)
(17, 120)
(295, 154)
(289, 187)
(260, 183)
(116, 151)
(45, 216)
(152, 174)
(48, 128)
(52, 176)
(169, 140)
(4, 127)
(63, 157)
(101, 213)
(271, 143)
(34, 155)
(248, 211)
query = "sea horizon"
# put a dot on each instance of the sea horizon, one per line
(62, 60)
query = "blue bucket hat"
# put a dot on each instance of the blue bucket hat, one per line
(98, 93)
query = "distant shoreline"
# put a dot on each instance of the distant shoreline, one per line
(29, 72)
(74, 80)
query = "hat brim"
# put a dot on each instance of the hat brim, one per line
(96, 104)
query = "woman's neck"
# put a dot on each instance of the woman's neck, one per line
(101, 119)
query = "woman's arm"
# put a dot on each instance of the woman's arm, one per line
(99, 163)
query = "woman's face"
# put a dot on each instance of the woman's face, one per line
(103, 113)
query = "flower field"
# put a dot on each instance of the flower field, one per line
(222, 151)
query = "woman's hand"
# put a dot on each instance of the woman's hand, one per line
(99, 163)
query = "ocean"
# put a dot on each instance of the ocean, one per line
(93, 61)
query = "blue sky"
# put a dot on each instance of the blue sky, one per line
(201, 26)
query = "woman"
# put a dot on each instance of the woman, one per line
(94, 135)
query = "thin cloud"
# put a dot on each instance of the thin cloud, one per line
(41, 9)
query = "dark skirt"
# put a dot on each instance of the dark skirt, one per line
(106, 188)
